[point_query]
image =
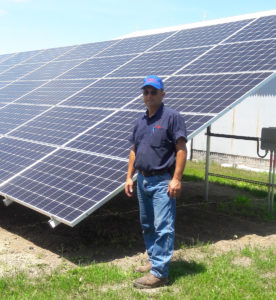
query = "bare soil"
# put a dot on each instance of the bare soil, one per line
(113, 233)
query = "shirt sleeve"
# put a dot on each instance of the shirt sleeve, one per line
(178, 127)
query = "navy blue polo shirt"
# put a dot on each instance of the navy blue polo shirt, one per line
(155, 139)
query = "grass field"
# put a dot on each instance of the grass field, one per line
(248, 274)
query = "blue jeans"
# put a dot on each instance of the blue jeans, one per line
(157, 216)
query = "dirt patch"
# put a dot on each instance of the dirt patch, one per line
(242, 261)
(113, 233)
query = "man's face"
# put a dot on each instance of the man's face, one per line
(152, 97)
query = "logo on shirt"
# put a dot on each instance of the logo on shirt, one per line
(156, 127)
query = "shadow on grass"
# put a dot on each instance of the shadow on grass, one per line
(184, 268)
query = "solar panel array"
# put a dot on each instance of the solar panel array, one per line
(66, 114)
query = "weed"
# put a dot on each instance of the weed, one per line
(242, 202)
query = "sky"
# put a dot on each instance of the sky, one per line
(38, 24)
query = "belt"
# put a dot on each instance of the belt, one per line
(154, 173)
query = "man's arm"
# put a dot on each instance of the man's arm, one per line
(174, 187)
(130, 173)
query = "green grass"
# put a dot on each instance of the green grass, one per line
(195, 171)
(214, 277)
(243, 205)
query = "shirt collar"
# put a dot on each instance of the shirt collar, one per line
(157, 114)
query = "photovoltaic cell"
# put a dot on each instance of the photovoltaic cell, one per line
(107, 93)
(68, 184)
(4, 68)
(195, 122)
(209, 93)
(96, 67)
(49, 54)
(58, 125)
(3, 84)
(52, 70)
(159, 63)
(110, 137)
(263, 28)
(17, 155)
(250, 56)
(18, 71)
(4, 57)
(86, 51)
(20, 57)
(201, 36)
(54, 91)
(135, 45)
(14, 115)
(17, 89)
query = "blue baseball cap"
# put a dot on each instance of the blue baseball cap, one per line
(154, 81)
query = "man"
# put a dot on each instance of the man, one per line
(159, 155)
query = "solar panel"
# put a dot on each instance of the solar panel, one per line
(16, 89)
(16, 155)
(14, 115)
(86, 51)
(114, 96)
(250, 56)
(52, 70)
(67, 113)
(109, 137)
(160, 63)
(201, 36)
(4, 57)
(134, 45)
(68, 185)
(20, 57)
(51, 92)
(18, 71)
(96, 67)
(263, 28)
(59, 125)
(3, 83)
(50, 54)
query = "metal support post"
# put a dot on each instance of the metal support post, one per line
(53, 222)
(273, 183)
(269, 182)
(7, 201)
(207, 163)
(191, 150)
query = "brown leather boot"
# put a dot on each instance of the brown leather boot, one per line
(149, 281)
(143, 269)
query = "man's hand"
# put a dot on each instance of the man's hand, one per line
(174, 188)
(130, 173)
(129, 187)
